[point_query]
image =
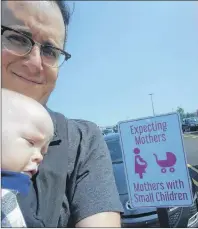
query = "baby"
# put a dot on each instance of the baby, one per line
(27, 130)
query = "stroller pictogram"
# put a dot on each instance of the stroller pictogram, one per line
(168, 163)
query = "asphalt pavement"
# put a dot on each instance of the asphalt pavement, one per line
(191, 147)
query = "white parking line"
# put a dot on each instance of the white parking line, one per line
(192, 132)
(190, 136)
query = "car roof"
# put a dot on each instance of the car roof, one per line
(111, 136)
(192, 119)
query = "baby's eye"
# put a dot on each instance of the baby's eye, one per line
(30, 142)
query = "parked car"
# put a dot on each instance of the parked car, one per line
(107, 131)
(185, 126)
(145, 217)
(115, 129)
(190, 124)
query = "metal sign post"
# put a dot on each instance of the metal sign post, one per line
(163, 217)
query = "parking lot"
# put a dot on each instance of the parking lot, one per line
(191, 147)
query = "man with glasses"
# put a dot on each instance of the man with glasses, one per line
(75, 185)
(20, 43)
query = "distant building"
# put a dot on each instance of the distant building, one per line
(106, 127)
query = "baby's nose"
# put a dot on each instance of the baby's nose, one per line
(37, 157)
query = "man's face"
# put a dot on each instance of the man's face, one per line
(27, 74)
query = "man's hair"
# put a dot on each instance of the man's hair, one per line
(65, 13)
(64, 10)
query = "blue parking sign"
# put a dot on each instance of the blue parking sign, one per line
(155, 162)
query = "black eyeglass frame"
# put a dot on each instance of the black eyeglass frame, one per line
(5, 28)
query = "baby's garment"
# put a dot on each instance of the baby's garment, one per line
(11, 215)
(13, 184)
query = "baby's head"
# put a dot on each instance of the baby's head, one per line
(27, 130)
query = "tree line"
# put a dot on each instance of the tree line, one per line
(184, 114)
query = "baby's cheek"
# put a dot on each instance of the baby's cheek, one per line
(16, 157)
(24, 153)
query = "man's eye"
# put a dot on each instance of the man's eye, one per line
(17, 39)
(51, 52)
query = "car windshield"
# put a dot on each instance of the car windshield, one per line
(193, 120)
(115, 150)
(107, 131)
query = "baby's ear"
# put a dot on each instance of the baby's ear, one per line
(46, 146)
(45, 149)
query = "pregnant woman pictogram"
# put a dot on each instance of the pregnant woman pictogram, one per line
(140, 163)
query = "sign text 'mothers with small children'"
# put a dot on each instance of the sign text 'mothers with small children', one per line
(155, 162)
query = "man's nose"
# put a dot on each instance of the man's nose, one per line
(34, 60)
(37, 157)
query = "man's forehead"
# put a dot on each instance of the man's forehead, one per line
(21, 6)
(37, 15)
(8, 18)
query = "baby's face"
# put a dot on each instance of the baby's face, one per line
(26, 137)
(27, 148)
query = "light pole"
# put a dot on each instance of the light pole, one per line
(151, 95)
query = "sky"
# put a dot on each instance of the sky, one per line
(122, 51)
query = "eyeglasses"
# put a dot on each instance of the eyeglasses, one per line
(21, 45)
